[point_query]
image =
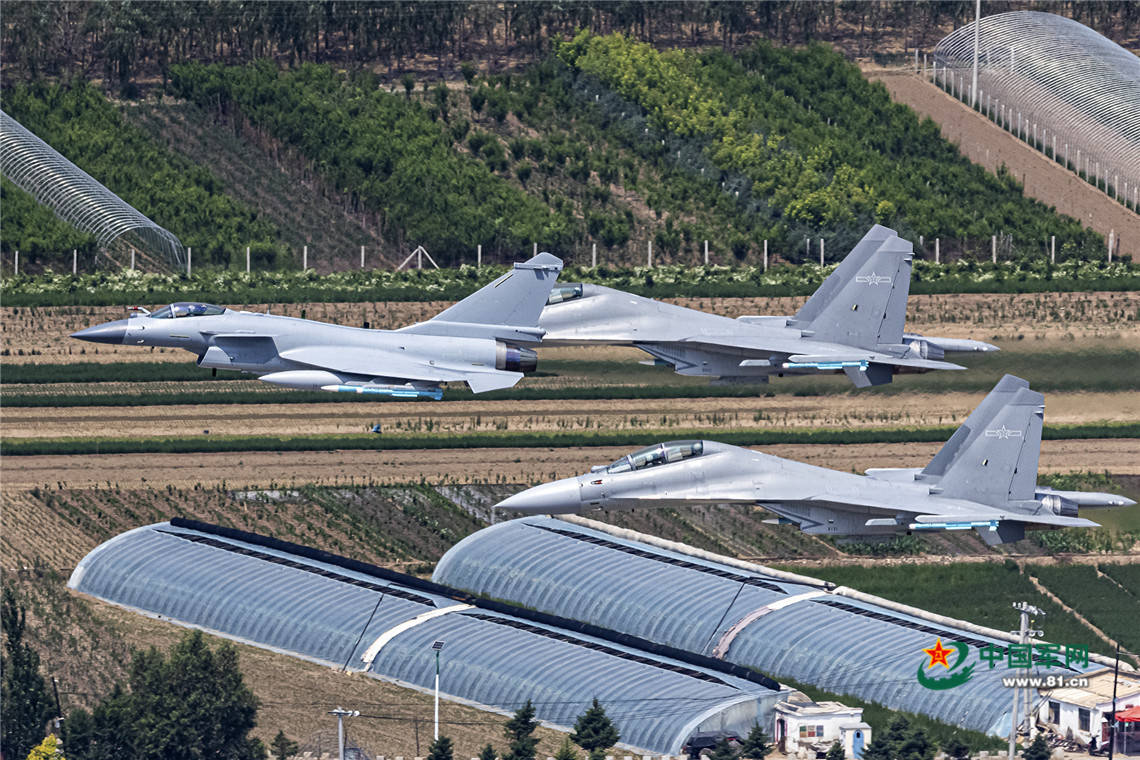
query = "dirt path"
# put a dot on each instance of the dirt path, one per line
(518, 465)
(759, 413)
(40, 335)
(985, 143)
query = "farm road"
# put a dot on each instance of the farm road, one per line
(985, 143)
(509, 465)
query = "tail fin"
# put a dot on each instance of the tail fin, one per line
(863, 302)
(992, 457)
(506, 309)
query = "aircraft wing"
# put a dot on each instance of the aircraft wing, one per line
(376, 363)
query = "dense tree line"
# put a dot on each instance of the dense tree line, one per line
(126, 41)
(34, 231)
(178, 195)
(385, 150)
(816, 146)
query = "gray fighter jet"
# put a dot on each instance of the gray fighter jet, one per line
(852, 324)
(983, 478)
(477, 341)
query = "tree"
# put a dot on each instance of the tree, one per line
(48, 749)
(756, 745)
(409, 83)
(723, 751)
(520, 731)
(915, 746)
(566, 751)
(283, 747)
(23, 696)
(487, 753)
(835, 751)
(1038, 750)
(440, 749)
(594, 730)
(956, 749)
(189, 704)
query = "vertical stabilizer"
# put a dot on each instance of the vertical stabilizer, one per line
(863, 302)
(992, 458)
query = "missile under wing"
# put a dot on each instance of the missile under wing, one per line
(983, 478)
(481, 341)
(852, 324)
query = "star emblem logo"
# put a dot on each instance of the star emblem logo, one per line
(938, 655)
(873, 279)
(1002, 433)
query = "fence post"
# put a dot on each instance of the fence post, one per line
(132, 259)
(594, 256)
(305, 258)
(1052, 249)
(74, 262)
(188, 260)
(362, 257)
(807, 247)
(765, 254)
(649, 255)
(535, 252)
(821, 251)
(993, 248)
(16, 263)
(247, 259)
(479, 256)
(1111, 241)
(707, 247)
(937, 253)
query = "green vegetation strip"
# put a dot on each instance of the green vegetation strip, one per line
(1103, 603)
(205, 444)
(129, 287)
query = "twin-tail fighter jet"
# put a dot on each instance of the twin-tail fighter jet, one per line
(478, 341)
(852, 324)
(984, 478)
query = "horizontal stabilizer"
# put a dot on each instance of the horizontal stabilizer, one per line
(493, 381)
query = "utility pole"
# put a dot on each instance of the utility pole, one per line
(1112, 722)
(1026, 609)
(977, 30)
(341, 714)
(437, 646)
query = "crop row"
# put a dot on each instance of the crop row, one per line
(1099, 600)
(110, 445)
(228, 286)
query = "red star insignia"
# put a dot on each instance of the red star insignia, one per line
(938, 654)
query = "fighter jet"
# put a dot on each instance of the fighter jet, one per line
(478, 341)
(852, 324)
(983, 478)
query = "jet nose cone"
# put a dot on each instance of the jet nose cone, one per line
(112, 332)
(557, 498)
(1124, 501)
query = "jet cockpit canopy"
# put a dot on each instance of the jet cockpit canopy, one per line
(658, 454)
(560, 293)
(187, 309)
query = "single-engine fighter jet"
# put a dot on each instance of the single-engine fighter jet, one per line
(984, 478)
(477, 341)
(852, 324)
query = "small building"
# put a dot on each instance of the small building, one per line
(807, 729)
(1081, 713)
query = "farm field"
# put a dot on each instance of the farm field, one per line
(40, 334)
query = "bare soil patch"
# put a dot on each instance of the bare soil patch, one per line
(506, 465)
(41, 334)
(985, 143)
(460, 417)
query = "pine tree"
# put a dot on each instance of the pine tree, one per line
(756, 746)
(520, 731)
(835, 751)
(879, 749)
(487, 753)
(23, 695)
(594, 730)
(48, 749)
(915, 746)
(566, 751)
(956, 749)
(723, 751)
(440, 749)
(283, 747)
(1038, 750)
